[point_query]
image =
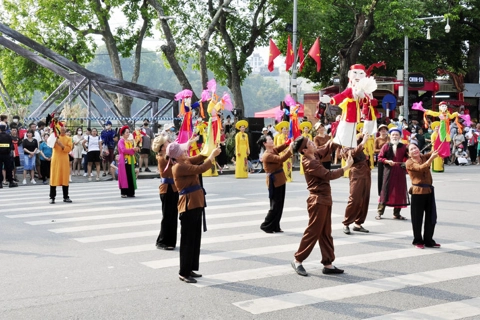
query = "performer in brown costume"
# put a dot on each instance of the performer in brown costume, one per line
(167, 239)
(423, 197)
(319, 204)
(276, 180)
(191, 203)
(360, 183)
(321, 139)
(379, 142)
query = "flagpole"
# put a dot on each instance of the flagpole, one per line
(293, 81)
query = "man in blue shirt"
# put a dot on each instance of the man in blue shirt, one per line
(109, 138)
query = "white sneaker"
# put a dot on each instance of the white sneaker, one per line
(24, 181)
(33, 181)
(84, 174)
(92, 175)
(70, 178)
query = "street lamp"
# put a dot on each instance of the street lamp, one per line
(405, 63)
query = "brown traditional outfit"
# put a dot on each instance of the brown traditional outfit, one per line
(169, 197)
(276, 180)
(319, 206)
(321, 141)
(360, 183)
(423, 201)
(191, 204)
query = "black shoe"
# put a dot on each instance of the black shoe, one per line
(195, 275)
(67, 200)
(52, 201)
(187, 279)
(346, 230)
(12, 185)
(140, 170)
(335, 270)
(147, 170)
(300, 269)
(361, 229)
(163, 247)
(104, 174)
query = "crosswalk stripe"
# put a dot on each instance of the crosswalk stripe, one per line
(445, 311)
(124, 207)
(221, 239)
(149, 212)
(309, 297)
(261, 273)
(228, 255)
(157, 221)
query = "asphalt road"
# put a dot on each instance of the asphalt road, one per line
(96, 258)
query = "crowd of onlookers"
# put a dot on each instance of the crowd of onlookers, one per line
(94, 150)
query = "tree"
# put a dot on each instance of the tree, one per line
(66, 27)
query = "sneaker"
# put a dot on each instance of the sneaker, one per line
(84, 174)
(346, 230)
(5, 183)
(419, 246)
(299, 269)
(334, 270)
(147, 170)
(91, 174)
(12, 185)
(33, 181)
(140, 170)
(97, 179)
(24, 181)
(436, 245)
(104, 174)
(187, 279)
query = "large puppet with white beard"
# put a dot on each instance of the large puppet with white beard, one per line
(355, 100)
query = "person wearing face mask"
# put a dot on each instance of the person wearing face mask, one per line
(394, 185)
(77, 151)
(109, 138)
(45, 158)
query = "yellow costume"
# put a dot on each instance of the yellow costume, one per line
(280, 140)
(303, 125)
(437, 165)
(242, 150)
(59, 167)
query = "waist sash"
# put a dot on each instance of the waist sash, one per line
(167, 180)
(271, 185)
(192, 189)
(434, 206)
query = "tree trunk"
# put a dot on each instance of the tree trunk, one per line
(348, 54)
(472, 63)
(170, 48)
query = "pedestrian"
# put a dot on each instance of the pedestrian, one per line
(167, 238)
(94, 145)
(222, 157)
(77, 151)
(278, 141)
(85, 152)
(273, 160)
(6, 156)
(59, 166)
(423, 197)
(45, 158)
(191, 204)
(147, 137)
(319, 204)
(379, 142)
(16, 155)
(461, 156)
(30, 147)
(242, 150)
(108, 136)
(394, 184)
(360, 183)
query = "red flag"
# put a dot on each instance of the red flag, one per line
(274, 52)
(289, 59)
(314, 52)
(301, 56)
